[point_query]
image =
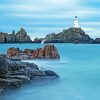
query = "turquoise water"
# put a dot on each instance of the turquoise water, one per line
(78, 68)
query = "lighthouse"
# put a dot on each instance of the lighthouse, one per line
(76, 24)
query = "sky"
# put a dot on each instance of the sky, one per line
(41, 17)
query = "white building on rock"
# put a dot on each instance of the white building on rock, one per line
(76, 22)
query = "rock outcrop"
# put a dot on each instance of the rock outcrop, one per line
(14, 73)
(71, 35)
(38, 40)
(3, 66)
(19, 37)
(48, 52)
(97, 41)
(3, 37)
(22, 36)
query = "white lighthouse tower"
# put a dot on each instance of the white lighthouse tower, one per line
(76, 24)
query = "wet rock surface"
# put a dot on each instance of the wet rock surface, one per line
(3, 66)
(13, 74)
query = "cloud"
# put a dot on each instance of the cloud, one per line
(93, 32)
(69, 3)
(38, 12)
(91, 23)
(20, 8)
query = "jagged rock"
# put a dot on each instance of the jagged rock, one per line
(30, 65)
(10, 38)
(22, 36)
(3, 55)
(71, 35)
(15, 73)
(50, 73)
(51, 52)
(22, 78)
(14, 65)
(97, 40)
(10, 83)
(19, 37)
(3, 66)
(38, 73)
(13, 59)
(12, 52)
(2, 91)
(22, 56)
(38, 40)
(3, 37)
(48, 52)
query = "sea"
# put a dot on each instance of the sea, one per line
(78, 69)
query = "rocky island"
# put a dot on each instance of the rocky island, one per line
(19, 37)
(71, 35)
(48, 52)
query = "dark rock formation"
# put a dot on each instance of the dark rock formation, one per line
(3, 66)
(19, 37)
(10, 38)
(50, 73)
(3, 55)
(97, 41)
(38, 40)
(3, 37)
(10, 83)
(2, 91)
(48, 52)
(13, 74)
(71, 35)
(22, 36)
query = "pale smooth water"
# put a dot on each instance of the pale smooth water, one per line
(78, 68)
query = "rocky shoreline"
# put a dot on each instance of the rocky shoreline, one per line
(14, 73)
